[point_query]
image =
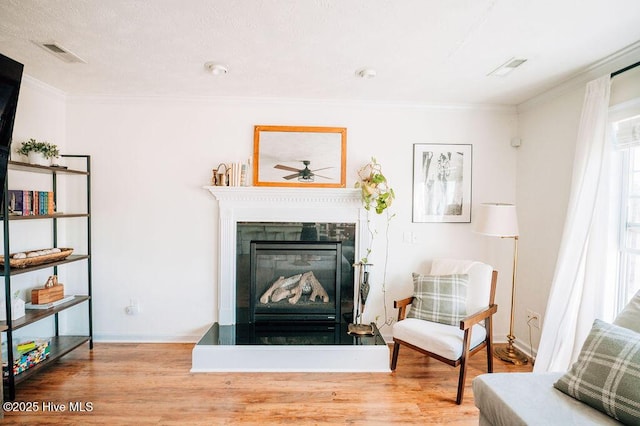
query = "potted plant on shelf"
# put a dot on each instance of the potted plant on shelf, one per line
(376, 195)
(39, 153)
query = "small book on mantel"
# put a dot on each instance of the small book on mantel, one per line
(48, 305)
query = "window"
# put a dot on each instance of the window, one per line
(627, 139)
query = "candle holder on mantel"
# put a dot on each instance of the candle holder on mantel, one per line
(361, 298)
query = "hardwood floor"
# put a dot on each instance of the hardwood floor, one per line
(151, 384)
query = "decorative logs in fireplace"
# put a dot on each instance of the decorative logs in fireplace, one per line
(294, 287)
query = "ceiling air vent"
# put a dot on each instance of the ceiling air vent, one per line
(60, 52)
(507, 67)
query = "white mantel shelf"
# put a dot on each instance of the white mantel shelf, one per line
(273, 194)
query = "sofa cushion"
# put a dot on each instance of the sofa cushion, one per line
(606, 375)
(439, 298)
(630, 315)
(514, 399)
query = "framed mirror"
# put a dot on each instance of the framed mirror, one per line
(299, 156)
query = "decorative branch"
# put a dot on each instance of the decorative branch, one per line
(377, 195)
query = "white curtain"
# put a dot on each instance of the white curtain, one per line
(577, 292)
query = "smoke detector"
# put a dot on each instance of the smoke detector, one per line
(215, 68)
(366, 73)
(60, 52)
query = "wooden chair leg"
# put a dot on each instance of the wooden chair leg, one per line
(463, 365)
(489, 328)
(461, 379)
(394, 357)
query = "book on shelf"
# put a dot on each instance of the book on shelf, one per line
(26, 209)
(16, 201)
(35, 203)
(50, 204)
(41, 202)
(50, 304)
(31, 203)
(243, 174)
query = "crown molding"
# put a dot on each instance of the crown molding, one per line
(335, 103)
(44, 88)
(611, 63)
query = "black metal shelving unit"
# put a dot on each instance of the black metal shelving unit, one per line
(59, 345)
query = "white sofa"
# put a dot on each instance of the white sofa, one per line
(512, 399)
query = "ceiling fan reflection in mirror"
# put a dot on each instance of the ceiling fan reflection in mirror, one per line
(305, 174)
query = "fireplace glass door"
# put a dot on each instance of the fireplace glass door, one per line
(295, 281)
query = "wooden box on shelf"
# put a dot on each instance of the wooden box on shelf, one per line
(47, 294)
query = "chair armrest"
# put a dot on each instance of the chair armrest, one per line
(401, 305)
(471, 320)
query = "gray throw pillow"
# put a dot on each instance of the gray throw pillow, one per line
(630, 315)
(439, 298)
(606, 375)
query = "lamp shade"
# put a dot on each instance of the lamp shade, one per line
(497, 220)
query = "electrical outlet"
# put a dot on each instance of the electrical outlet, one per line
(533, 318)
(133, 308)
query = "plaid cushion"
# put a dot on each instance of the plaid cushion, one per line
(439, 298)
(630, 315)
(606, 375)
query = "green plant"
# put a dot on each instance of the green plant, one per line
(48, 150)
(375, 188)
(376, 194)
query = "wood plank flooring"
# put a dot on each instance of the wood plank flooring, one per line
(151, 384)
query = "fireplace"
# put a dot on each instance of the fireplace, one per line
(295, 281)
(326, 217)
(304, 254)
(283, 206)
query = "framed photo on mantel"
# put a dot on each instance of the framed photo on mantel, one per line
(299, 156)
(442, 183)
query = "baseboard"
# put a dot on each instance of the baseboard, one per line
(145, 339)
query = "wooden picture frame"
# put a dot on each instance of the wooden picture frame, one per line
(442, 182)
(300, 156)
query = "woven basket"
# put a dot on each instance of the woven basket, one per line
(37, 260)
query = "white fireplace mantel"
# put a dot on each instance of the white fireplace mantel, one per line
(275, 204)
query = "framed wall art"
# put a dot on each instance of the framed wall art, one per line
(299, 156)
(442, 183)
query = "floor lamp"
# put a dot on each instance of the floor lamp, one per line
(500, 220)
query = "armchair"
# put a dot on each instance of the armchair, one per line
(452, 344)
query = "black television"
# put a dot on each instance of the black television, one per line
(10, 79)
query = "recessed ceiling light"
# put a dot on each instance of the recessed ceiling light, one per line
(507, 67)
(60, 52)
(366, 73)
(215, 68)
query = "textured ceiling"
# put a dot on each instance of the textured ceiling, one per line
(424, 51)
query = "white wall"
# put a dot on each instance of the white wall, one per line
(154, 225)
(548, 127)
(41, 115)
(545, 163)
(154, 236)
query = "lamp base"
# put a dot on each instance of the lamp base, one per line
(510, 354)
(360, 329)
